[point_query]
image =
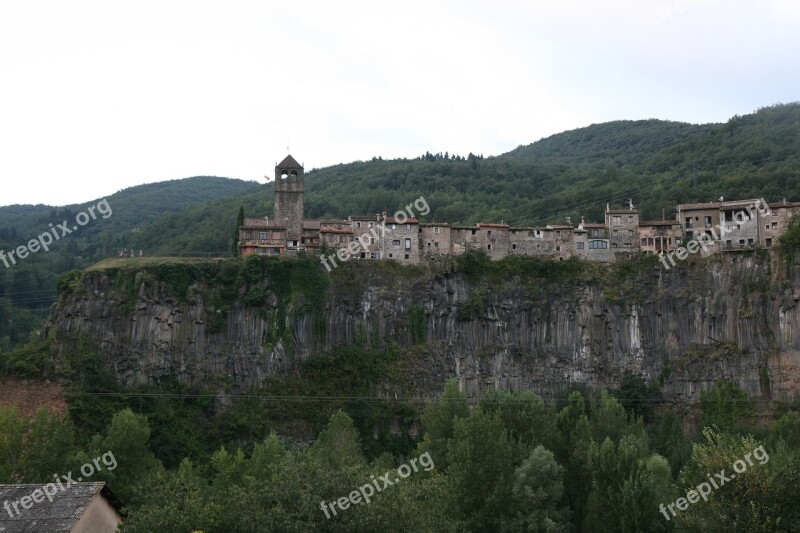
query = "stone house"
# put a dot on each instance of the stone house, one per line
(659, 236)
(400, 240)
(623, 229)
(556, 242)
(781, 213)
(261, 236)
(592, 243)
(434, 240)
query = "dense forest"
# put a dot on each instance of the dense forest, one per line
(655, 163)
(588, 462)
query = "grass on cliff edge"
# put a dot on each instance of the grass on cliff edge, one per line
(138, 262)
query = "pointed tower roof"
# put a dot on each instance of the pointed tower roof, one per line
(289, 162)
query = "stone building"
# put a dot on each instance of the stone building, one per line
(289, 190)
(400, 240)
(434, 240)
(623, 229)
(368, 231)
(261, 236)
(730, 226)
(557, 242)
(659, 236)
(592, 243)
(775, 224)
(489, 238)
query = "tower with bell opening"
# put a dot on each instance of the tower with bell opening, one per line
(289, 199)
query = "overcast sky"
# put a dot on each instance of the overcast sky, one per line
(99, 96)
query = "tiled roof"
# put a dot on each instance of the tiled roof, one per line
(261, 223)
(332, 230)
(434, 224)
(480, 225)
(594, 226)
(312, 224)
(777, 205)
(59, 515)
(392, 220)
(706, 205)
(659, 223)
(289, 162)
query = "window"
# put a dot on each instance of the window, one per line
(688, 222)
(429, 245)
(489, 232)
(396, 242)
(363, 255)
(774, 225)
(644, 242)
(558, 232)
(408, 245)
(597, 245)
(474, 232)
(394, 226)
(769, 242)
(630, 219)
(488, 246)
(513, 246)
(630, 233)
(627, 245)
(372, 240)
(408, 226)
(766, 227)
(249, 235)
(579, 245)
(613, 245)
(615, 233)
(376, 255)
(406, 256)
(558, 248)
(594, 233)
(358, 224)
(678, 241)
(436, 229)
(436, 244)
(390, 256)
(370, 224)
(616, 221)
(707, 221)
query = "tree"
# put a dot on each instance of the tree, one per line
(239, 224)
(482, 458)
(538, 488)
(439, 420)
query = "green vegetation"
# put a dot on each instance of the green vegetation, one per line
(513, 463)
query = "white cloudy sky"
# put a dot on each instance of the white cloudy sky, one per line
(96, 96)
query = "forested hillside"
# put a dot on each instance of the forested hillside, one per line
(28, 288)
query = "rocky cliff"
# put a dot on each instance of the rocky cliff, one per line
(537, 326)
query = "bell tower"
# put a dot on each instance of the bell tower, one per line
(289, 197)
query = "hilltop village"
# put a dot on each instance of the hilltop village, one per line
(726, 226)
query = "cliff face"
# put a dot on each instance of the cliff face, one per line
(734, 317)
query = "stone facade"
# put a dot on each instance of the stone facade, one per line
(410, 242)
(289, 190)
(623, 228)
(659, 236)
(776, 223)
